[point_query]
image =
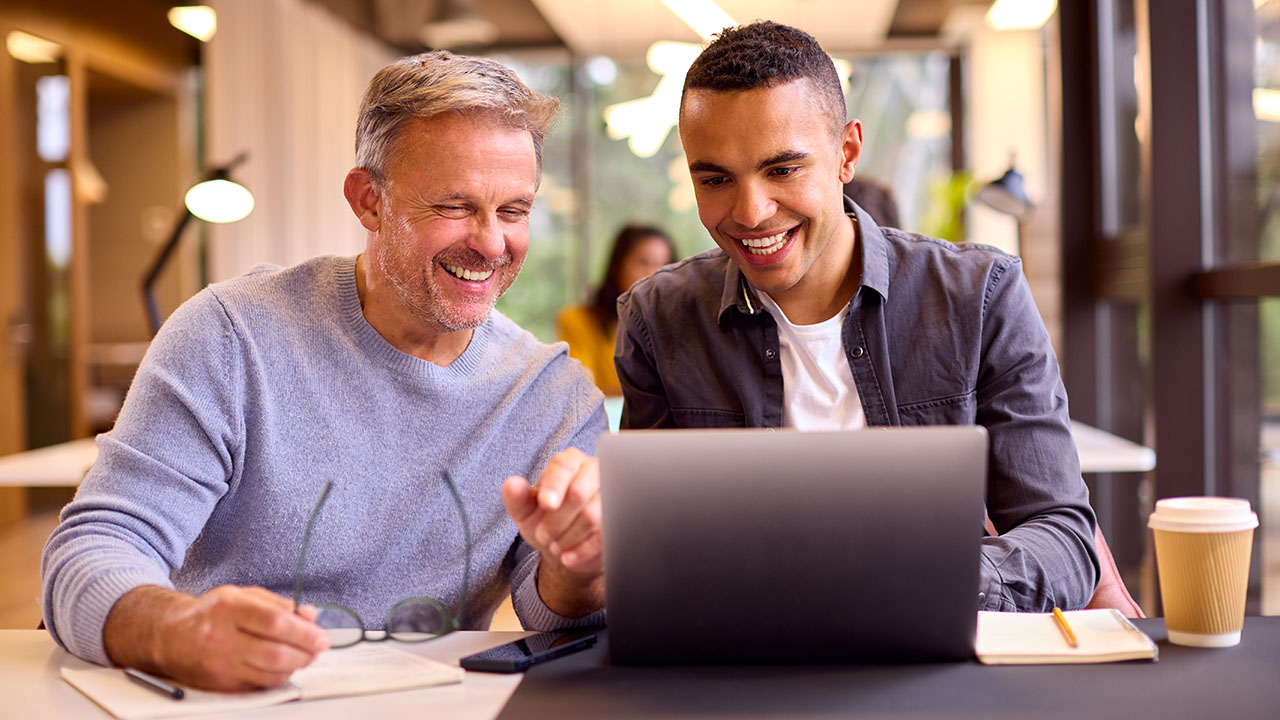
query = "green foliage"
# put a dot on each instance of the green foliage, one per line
(948, 197)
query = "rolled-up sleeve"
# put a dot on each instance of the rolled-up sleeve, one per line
(1044, 555)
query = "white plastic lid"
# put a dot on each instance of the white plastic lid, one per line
(1203, 515)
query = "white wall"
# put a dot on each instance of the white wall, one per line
(1010, 109)
(283, 80)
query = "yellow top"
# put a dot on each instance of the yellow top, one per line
(590, 345)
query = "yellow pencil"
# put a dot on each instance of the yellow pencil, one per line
(1061, 621)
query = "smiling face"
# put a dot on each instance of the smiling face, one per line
(451, 226)
(768, 172)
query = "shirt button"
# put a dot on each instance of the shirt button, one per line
(770, 353)
(858, 352)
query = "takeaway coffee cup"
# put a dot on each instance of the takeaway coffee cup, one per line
(1202, 553)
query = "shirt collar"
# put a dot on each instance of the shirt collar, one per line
(870, 243)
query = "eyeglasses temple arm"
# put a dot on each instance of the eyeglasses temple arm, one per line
(306, 542)
(466, 533)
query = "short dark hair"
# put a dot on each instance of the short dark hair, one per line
(767, 54)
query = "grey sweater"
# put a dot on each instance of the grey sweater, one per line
(257, 391)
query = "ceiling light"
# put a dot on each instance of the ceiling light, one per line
(647, 121)
(1020, 14)
(704, 16)
(198, 21)
(602, 70)
(32, 49)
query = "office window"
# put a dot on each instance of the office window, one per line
(1258, 446)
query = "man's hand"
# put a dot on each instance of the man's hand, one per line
(230, 638)
(561, 519)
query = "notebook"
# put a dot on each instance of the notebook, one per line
(362, 669)
(761, 546)
(1102, 635)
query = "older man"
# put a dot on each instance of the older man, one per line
(811, 316)
(380, 373)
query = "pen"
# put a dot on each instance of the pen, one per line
(1061, 621)
(154, 683)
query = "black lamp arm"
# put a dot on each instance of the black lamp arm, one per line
(221, 172)
(149, 281)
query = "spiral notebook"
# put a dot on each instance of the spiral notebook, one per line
(1006, 638)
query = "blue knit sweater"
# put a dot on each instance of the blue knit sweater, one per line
(260, 389)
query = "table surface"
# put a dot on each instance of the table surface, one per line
(1222, 684)
(65, 464)
(32, 688)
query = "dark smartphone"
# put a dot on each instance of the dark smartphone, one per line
(522, 654)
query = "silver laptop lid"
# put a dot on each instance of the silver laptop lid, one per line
(784, 546)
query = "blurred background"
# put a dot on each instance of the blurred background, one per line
(1144, 138)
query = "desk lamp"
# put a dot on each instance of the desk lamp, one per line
(214, 199)
(1008, 195)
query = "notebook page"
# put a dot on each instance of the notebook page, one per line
(1035, 638)
(124, 699)
(370, 668)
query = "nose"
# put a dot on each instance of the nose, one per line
(752, 205)
(487, 238)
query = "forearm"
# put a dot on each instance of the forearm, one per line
(137, 625)
(569, 594)
(584, 608)
(91, 561)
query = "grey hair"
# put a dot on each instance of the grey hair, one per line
(421, 86)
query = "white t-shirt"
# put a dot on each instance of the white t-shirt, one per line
(817, 383)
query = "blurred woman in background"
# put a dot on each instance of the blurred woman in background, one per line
(591, 329)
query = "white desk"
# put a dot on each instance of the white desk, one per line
(61, 465)
(1102, 452)
(32, 688)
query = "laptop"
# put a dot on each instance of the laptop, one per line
(762, 546)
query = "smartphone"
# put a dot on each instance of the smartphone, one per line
(522, 654)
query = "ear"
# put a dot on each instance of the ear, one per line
(365, 199)
(850, 149)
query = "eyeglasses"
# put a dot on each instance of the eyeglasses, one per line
(413, 620)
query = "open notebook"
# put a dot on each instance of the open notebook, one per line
(363, 669)
(1006, 638)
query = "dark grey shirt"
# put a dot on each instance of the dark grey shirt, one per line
(937, 334)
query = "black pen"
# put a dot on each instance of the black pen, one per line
(154, 683)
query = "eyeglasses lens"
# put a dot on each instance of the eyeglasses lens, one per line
(417, 620)
(342, 627)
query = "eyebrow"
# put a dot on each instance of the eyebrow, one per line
(526, 200)
(783, 157)
(700, 166)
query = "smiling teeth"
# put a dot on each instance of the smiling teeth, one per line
(465, 274)
(765, 245)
